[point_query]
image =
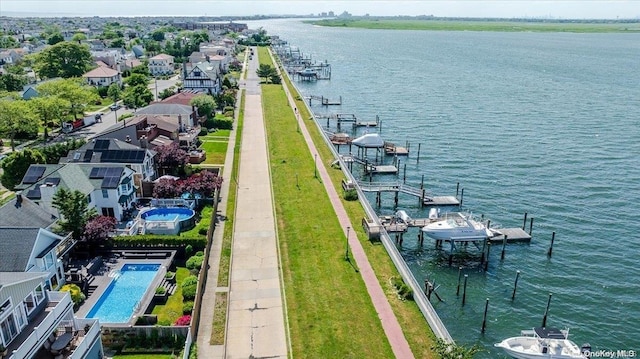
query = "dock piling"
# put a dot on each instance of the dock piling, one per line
(515, 286)
(459, 277)
(546, 312)
(457, 188)
(524, 223)
(418, 157)
(504, 247)
(531, 226)
(464, 290)
(484, 317)
(553, 237)
(486, 263)
(461, 196)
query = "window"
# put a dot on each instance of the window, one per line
(89, 199)
(8, 328)
(48, 260)
(29, 303)
(39, 294)
(108, 211)
(105, 193)
(54, 282)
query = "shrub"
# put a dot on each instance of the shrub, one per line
(202, 231)
(403, 290)
(161, 290)
(188, 250)
(169, 275)
(189, 293)
(187, 307)
(183, 320)
(76, 293)
(199, 253)
(351, 195)
(195, 262)
(191, 280)
(203, 132)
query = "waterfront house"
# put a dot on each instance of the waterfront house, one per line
(111, 150)
(202, 77)
(161, 64)
(36, 323)
(108, 187)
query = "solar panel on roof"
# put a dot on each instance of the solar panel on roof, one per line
(110, 182)
(88, 155)
(94, 172)
(114, 172)
(102, 172)
(52, 180)
(101, 145)
(34, 193)
(35, 171)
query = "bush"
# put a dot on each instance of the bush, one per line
(183, 320)
(76, 293)
(161, 290)
(203, 132)
(351, 195)
(403, 290)
(188, 250)
(222, 123)
(195, 262)
(202, 231)
(191, 280)
(187, 307)
(199, 253)
(189, 293)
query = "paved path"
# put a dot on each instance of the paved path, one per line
(390, 323)
(255, 318)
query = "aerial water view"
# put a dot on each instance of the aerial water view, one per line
(319, 179)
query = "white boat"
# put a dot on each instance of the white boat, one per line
(541, 343)
(458, 226)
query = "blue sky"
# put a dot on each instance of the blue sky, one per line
(470, 8)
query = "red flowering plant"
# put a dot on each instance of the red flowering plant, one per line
(183, 320)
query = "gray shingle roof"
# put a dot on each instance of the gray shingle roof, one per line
(165, 109)
(26, 214)
(16, 245)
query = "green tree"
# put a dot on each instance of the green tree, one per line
(10, 82)
(119, 42)
(114, 92)
(137, 80)
(78, 37)
(74, 209)
(141, 69)
(8, 42)
(205, 104)
(16, 164)
(16, 117)
(265, 71)
(137, 96)
(65, 59)
(50, 109)
(158, 35)
(72, 90)
(55, 38)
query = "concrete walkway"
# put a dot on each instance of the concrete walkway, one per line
(390, 323)
(255, 319)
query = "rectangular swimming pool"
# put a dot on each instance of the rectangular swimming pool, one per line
(118, 303)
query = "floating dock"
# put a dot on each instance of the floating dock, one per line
(392, 150)
(324, 101)
(424, 198)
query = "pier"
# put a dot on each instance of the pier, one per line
(325, 101)
(342, 118)
(424, 198)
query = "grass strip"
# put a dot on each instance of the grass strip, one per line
(416, 330)
(169, 312)
(330, 312)
(478, 25)
(219, 319)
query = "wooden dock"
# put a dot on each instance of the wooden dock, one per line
(392, 150)
(324, 101)
(424, 198)
(514, 235)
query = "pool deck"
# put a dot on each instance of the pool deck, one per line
(116, 261)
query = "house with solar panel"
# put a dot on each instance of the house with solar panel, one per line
(115, 151)
(108, 187)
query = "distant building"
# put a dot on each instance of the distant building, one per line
(161, 64)
(103, 77)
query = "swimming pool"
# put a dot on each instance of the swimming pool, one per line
(121, 299)
(161, 219)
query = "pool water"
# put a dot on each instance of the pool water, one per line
(121, 299)
(167, 214)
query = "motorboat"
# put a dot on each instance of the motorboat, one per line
(458, 226)
(542, 342)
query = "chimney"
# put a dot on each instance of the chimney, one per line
(180, 126)
(143, 141)
(18, 199)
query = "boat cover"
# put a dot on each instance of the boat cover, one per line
(549, 333)
(369, 140)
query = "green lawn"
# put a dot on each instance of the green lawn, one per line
(203, 224)
(477, 25)
(330, 312)
(172, 310)
(216, 152)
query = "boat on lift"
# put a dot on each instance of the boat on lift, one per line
(543, 343)
(459, 227)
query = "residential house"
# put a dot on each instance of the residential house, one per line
(129, 64)
(111, 150)
(10, 56)
(186, 116)
(28, 244)
(29, 92)
(111, 57)
(32, 319)
(181, 98)
(107, 187)
(161, 64)
(201, 77)
(103, 77)
(138, 51)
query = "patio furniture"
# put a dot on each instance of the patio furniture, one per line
(61, 342)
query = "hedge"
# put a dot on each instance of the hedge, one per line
(152, 240)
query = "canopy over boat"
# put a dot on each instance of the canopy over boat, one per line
(369, 140)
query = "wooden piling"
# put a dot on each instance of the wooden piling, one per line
(531, 226)
(546, 312)
(464, 290)
(461, 196)
(515, 286)
(404, 176)
(524, 223)
(457, 188)
(459, 277)
(504, 247)
(484, 317)
(553, 237)
(486, 263)
(422, 182)
(418, 157)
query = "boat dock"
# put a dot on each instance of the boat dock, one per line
(341, 118)
(391, 149)
(424, 198)
(369, 167)
(324, 101)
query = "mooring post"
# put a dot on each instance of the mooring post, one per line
(484, 317)
(504, 247)
(422, 199)
(418, 157)
(459, 277)
(515, 286)
(457, 188)
(461, 196)
(426, 287)
(422, 182)
(484, 246)
(531, 226)
(546, 312)
(524, 223)
(464, 289)
(486, 263)
(553, 237)
(404, 176)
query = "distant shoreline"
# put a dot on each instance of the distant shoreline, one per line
(496, 25)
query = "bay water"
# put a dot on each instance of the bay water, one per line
(543, 123)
